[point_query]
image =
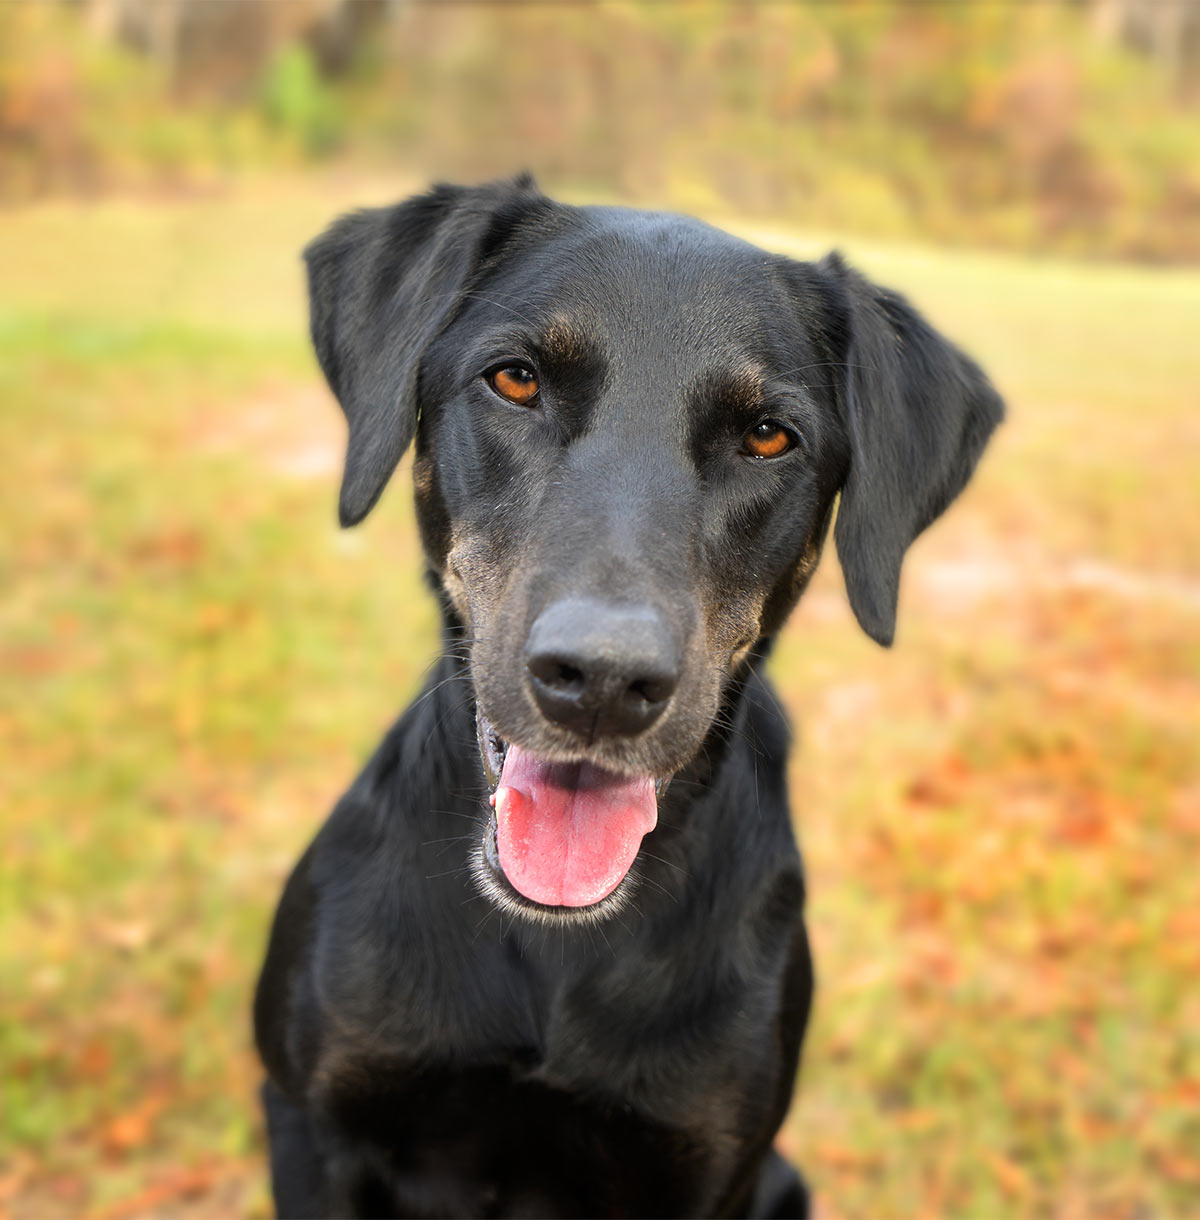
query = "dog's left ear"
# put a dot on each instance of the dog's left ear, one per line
(919, 413)
(382, 285)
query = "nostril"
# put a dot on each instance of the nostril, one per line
(557, 674)
(568, 676)
(653, 690)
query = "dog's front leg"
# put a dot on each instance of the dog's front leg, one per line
(298, 1170)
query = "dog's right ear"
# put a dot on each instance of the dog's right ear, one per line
(382, 285)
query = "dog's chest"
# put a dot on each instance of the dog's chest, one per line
(498, 1139)
(548, 1098)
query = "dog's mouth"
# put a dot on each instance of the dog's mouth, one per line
(562, 834)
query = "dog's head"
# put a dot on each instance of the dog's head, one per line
(631, 429)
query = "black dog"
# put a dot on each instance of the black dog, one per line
(584, 994)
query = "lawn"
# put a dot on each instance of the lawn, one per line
(1001, 816)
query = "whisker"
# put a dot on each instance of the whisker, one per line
(821, 364)
(669, 863)
(661, 888)
(607, 945)
(466, 868)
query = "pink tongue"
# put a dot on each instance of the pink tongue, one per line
(568, 833)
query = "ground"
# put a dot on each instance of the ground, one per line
(1001, 815)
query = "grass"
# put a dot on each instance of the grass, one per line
(1000, 816)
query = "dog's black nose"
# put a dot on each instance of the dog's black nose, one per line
(601, 669)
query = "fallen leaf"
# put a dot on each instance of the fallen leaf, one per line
(915, 1120)
(133, 1129)
(1012, 1178)
(182, 1184)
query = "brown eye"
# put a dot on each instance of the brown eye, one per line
(515, 382)
(767, 440)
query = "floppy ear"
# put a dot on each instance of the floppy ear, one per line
(382, 284)
(919, 413)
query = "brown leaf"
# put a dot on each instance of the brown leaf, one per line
(841, 1156)
(95, 1060)
(915, 1120)
(132, 1130)
(181, 1184)
(1012, 1178)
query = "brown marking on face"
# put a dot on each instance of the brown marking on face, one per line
(423, 477)
(563, 341)
(780, 602)
(740, 388)
(456, 590)
(475, 582)
(433, 521)
(731, 627)
(739, 656)
(807, 565)
(746, 384)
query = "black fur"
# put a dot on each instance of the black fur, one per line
(436, 1044)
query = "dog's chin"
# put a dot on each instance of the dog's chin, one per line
(601, 818)
(492, 883)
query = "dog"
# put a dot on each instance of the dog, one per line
(547, 956)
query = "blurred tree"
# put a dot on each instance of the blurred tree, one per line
(1166, 30)
(220, 48)
(1030, 126)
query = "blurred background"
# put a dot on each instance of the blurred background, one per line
(1001, 816)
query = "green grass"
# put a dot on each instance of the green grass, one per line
(1001, 816)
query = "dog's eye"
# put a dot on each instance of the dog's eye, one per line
(770, 439)
(517, 383)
